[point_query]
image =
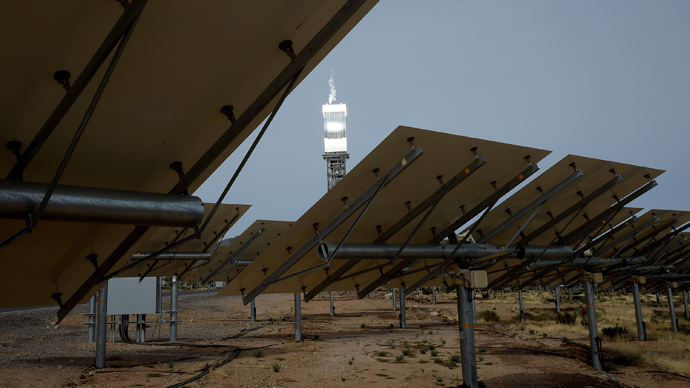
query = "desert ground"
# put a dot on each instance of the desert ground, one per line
(218, 345)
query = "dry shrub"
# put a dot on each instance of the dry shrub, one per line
(488, 316)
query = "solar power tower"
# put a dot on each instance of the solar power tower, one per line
(335, 145)
(335, 138)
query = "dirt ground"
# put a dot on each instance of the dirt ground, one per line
(362, 346)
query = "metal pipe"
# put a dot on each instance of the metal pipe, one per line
(593, 332)
(176, 256)
(298, 318)
(87, 204)
(467, 352)
(173, 309)
(641, 332)
(252, 308)
(438, 251)
(332, 305)
(102, 323)
(658, 300)
(570, 294)
(433, 295)
(672, 310)
(685, 301)
(403, 319)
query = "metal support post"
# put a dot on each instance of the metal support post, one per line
(252, 313)
(137, 327)
(540, 289)
(92, 318)
(685, 301)
(395, 301)
(522, 306)
(672, 310)
(403, 320)
(173, 309)
(658, 300)
(433, 295)
(467, 352)
(102, 323)
(558, 299)
(332, 305)
(570, 295)
(594, 340)
(641, 332)
(298, 318)
(143, 327)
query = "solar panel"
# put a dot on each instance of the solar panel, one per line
(444, 156)
(229, 260)
(227, 215)
(162, 104)
(596, 174)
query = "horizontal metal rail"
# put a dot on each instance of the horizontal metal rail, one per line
(86, 204)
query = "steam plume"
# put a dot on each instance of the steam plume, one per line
(331, 83)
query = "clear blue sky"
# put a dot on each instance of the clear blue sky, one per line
(607, 80)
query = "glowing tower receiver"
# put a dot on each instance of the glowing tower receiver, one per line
(335, 138)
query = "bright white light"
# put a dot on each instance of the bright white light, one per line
(334, 126)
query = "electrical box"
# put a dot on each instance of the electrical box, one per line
(597, 277)
(673, 285)
(131, 296)
(641, 279)
(478, 279)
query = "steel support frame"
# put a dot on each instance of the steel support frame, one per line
(241, 252)
(574, 208)
(239, 126)
(361, 201)
(627, 237)
(434, 198)
(649, 236)
(585, 229)
(606, 236)
(438, 251)
(488, 202)
(543, 198)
